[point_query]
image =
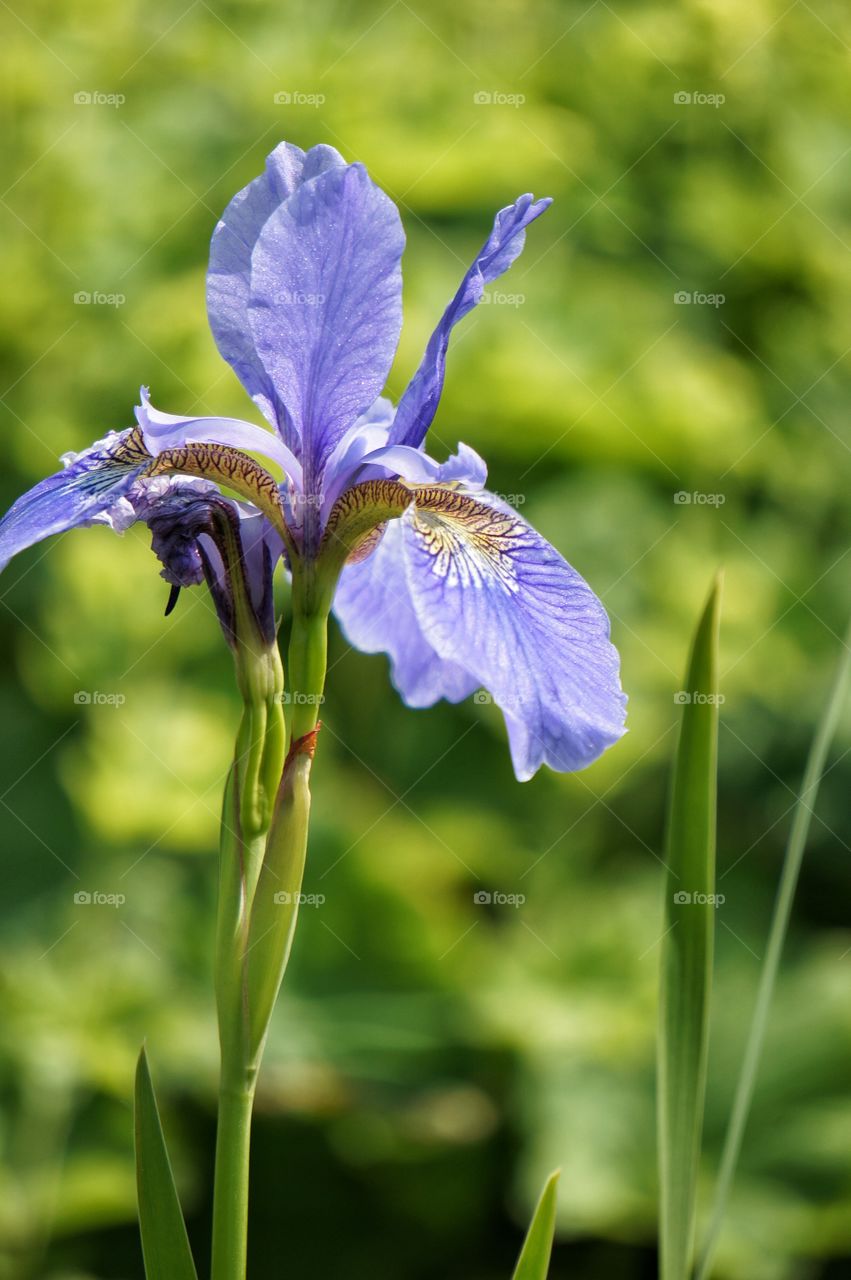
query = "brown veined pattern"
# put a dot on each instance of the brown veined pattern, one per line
(470, 542)
(132, 449)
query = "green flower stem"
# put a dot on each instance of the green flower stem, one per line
(247, 812)
(246, 815)
(261, 742)
(230, 1200)
(308, 657)
(264, 843)
(274, 907)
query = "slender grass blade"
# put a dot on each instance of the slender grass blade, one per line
(687, 946)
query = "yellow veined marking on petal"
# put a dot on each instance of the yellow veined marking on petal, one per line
(469, 541)
(217, 462)
(132, 448)
(367, 544)
(350, 531)
(230, 467)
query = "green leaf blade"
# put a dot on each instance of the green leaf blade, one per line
(165, 1244)
(534, 1260)
(687, 948)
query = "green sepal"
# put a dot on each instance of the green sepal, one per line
(274, 909)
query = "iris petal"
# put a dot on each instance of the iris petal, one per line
(346, 458)
(419, 402)
(464, 467)
(163, 431)
(462, 593)
(326, 305)
(81, 494)
(375, 610)
(228, 279)
(492, 596)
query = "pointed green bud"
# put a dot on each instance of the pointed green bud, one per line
(274, 907)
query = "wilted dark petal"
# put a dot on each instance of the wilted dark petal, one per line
(419, 402)
(326, 305)
(374, 608)
(177, 512)
(228, 279)
(261, 550)
(186, 537)
(91, 486)
(493, 597)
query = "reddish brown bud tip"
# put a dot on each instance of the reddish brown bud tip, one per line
(303, 746)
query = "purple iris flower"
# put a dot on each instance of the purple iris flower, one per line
(304, 296)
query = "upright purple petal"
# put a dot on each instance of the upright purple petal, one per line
(374, 608)
(326, 304)
(228, 279)
(345, 460)
(465, 467)
(419, 402)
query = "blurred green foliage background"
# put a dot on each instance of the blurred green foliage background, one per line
(433, 1058)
